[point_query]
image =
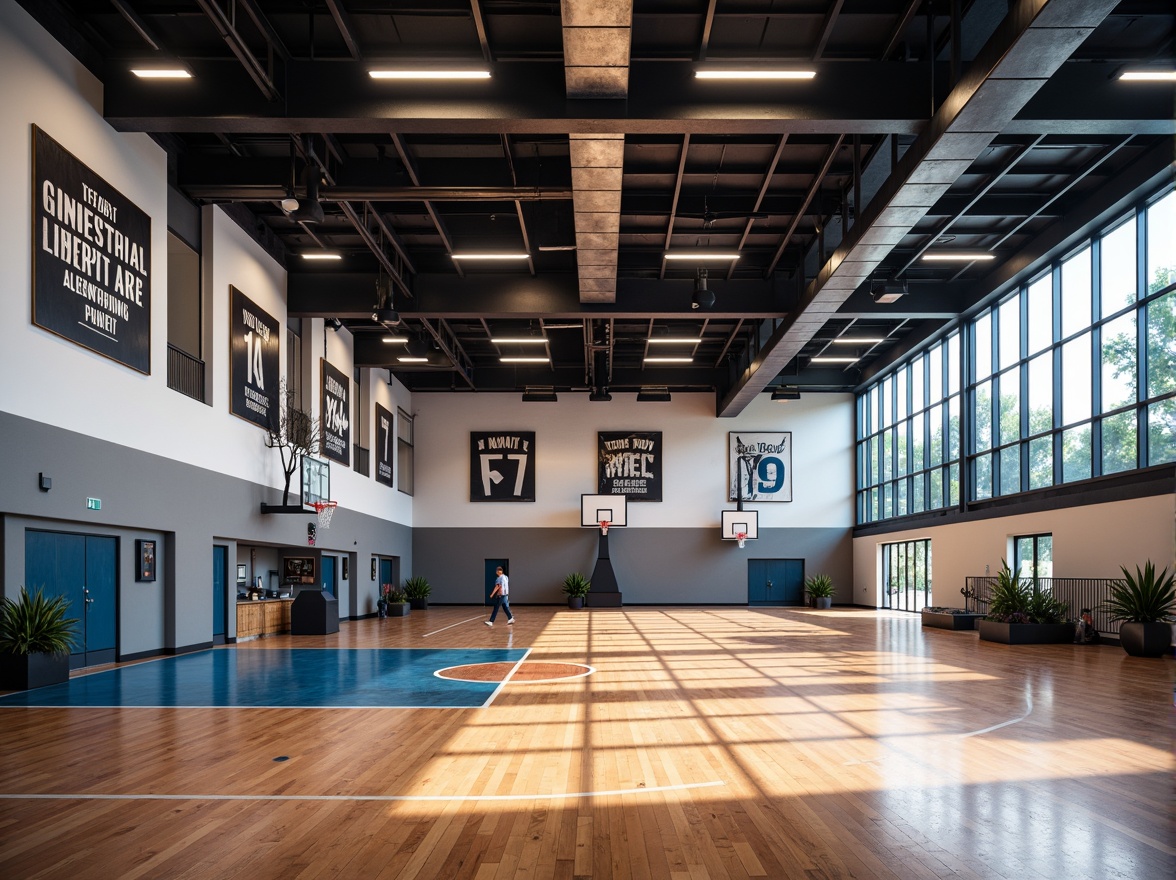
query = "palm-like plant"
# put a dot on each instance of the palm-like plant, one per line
(819, 586)
(36, 624)
(576, 585)
(1009, 598)
(417, 587)
(1143, 597)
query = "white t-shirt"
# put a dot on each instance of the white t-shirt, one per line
(504, 582)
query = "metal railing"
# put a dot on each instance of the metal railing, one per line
(185, 373)
(1077, 593)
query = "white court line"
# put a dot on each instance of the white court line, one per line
(506, 679)
(1027, 713)
(440, 798)
(451, 626)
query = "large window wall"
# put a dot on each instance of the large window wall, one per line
(1069, 377)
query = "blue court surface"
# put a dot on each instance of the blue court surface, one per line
(310, 678)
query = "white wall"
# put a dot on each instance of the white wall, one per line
(1089, 541)
(694, 470)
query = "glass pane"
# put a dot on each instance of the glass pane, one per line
(1023, 557)
(918, 490)
(984, 476)
(1045, 556)
(935, 501)
(875, 496)
(1009, 344)
(935, 373)
(874, 409)
(1119, 442)
(901, 445)
(953, 428)
(918, 446)
(1076, 380)
(1161, 345)
(1161, 431)
(1041, 393)
(983, 346)
(1010, 470)
(918, 402)
(982, 422)
(1076, 454)
(935, 423)
(953, 363)
(888, 501)
(888, 454)
(1041, 462)
(1010, 406)
(1118, 362)
(1076, 293)
(873, 444)
(901, 412)
(1161, 243)
(1040, 314)
(887, 392)
(900, 502)
(953, 485)
(1118, 268)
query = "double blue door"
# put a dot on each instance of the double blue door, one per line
(83, 569)
(775, 582)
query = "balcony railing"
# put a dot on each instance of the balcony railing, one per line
(185, 373)
(1077, 593)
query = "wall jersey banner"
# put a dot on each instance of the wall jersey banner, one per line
(760, 465)
(629, 463)
(385, 445)
(91, 259)
(336, 424)
(254, 340)
(502, 465)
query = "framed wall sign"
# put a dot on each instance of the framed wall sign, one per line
(502, 465)
(760, 465)
(336, 423)
(629, 463)
(299, 570)
(385, 445)
(145, 554)
(91, 259)
(254, 340)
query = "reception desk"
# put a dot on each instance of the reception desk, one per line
(262, 617)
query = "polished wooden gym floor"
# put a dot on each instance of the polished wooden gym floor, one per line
(643, 742)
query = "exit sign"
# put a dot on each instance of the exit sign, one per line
(93, 504)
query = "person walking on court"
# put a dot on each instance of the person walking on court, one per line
(501, 596)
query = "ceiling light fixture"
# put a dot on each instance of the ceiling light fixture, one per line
(539, 394)
(1148, 76)
(524, 360)
(674, 340)
(311, 210)
(703, 297)
(490, 256)
(888, 291)
(394, 340)
(752, 74)
(426, 74)
(654, 394)
(518, 340)
(857, 340)
(956, 256)
(786, 392)
(701, 255)
(321, 255)
(388, 317)
(162, 71)
(409, 359)
(669, 360)
(833, 360)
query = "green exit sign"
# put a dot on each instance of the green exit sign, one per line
(93, 504)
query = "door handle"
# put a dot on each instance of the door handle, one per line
(770, 585)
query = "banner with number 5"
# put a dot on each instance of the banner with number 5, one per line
(760, 465)
(502, 465)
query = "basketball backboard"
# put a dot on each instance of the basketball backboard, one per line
(316, 480)
(595, 509)
(740, 521)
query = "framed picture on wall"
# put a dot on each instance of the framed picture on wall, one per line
(145, 554)
(760, 465)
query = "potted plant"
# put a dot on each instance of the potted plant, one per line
(395, 602)
(1143, 602)
(576, 586)
(35, 640)
(820, 590)
(1020, 615)
(417, 589)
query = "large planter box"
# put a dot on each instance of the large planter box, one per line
(419, 604)
(943, 620)
(398, 609)
(1026, 633)
(22, 672)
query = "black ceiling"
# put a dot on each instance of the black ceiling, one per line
(997, 131)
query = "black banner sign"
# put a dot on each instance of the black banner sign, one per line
(629, 463)
(385, 445)
(91, 259)
(336, 424)
(502, 465)
(254, 341)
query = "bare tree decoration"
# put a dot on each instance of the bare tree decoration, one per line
(293, 432)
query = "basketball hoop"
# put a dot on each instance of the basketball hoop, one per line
(325, 510)
(741, 537)
(604, 524)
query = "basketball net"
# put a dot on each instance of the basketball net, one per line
(604, 524)
(741, 537)
(325, 510)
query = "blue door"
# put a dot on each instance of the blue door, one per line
(220, 564)
(492, 576)
(775, 582)
(389, 571)
(328, 568)
(83, 569)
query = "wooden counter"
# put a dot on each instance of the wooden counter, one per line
(262, 617)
